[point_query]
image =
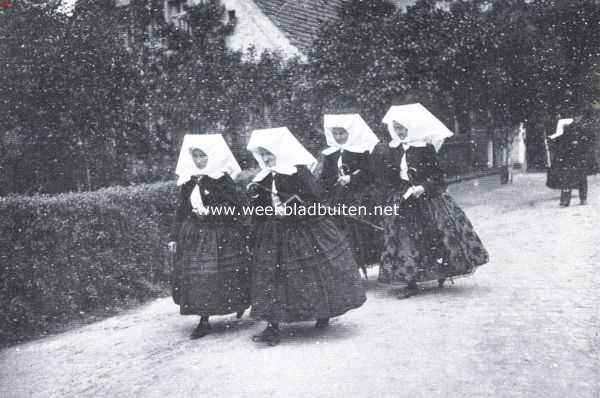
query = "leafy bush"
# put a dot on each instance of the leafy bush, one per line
(63, 256)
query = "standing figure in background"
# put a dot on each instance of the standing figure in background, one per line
(346, 179)
(429, 238)
(303, 267)
(573, 157)
(211, 275)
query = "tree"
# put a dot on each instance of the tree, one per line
(354, 61)
(103, 106)
(32, 32)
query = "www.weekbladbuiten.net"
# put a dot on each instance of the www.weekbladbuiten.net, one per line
(302, 210)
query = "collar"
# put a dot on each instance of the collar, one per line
(330, 150)
(197, 178)
(266, 171)
(333, 149)
(395, 143)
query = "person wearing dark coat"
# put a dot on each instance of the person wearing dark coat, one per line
(303, 268)
(429, 238)
(347, 179)
(573, 157)
(211, 271)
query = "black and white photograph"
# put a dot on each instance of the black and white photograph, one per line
(300, 198)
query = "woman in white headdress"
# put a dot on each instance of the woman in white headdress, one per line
(430, 238)
(211, 263)
(346, 178)
(303, 269)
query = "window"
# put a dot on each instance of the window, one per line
(176, 14)
(175, 7)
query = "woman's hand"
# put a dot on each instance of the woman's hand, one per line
(418, 190)
(172, 246)
(344, 180)
(279, 211)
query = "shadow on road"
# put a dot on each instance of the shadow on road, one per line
(448, 290)
(306, 333)
(219, 327)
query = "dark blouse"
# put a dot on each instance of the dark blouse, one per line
(423, 168)
(356, 165)
(215, 192)
(302, 183)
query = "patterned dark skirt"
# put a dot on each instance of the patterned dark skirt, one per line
(211, 275)
(432, 238)
(303, 270)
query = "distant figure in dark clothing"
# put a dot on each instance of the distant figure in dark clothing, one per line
(573, 157)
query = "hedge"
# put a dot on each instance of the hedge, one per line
(66, 255)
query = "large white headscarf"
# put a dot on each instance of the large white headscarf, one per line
(560, 127)
(360, 136)
(423, 127)
(220, 158)
(288, 151)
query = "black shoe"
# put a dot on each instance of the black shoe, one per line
(201, 330)
(411, 290)
(408, 293)
(441, 282)
(239, 314)
(274, 339)
(564, 205)
(270, 335)
(322, 323)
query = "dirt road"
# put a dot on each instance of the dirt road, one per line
(525, 325)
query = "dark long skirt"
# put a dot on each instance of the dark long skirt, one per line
(564, 177)
(303, 270)
(364, 241)
(211, 272)
(570, 164)
(432, 238)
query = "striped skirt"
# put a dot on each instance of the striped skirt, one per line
(211, 275)
(303, 270)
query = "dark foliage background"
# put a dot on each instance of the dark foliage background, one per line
(103, 96)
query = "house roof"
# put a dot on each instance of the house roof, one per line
(300, 20)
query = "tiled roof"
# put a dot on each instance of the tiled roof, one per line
(300, 20)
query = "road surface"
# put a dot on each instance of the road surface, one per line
(525, 325)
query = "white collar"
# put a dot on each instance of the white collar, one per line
(263, 173)
(396, 143)
(330, 150)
